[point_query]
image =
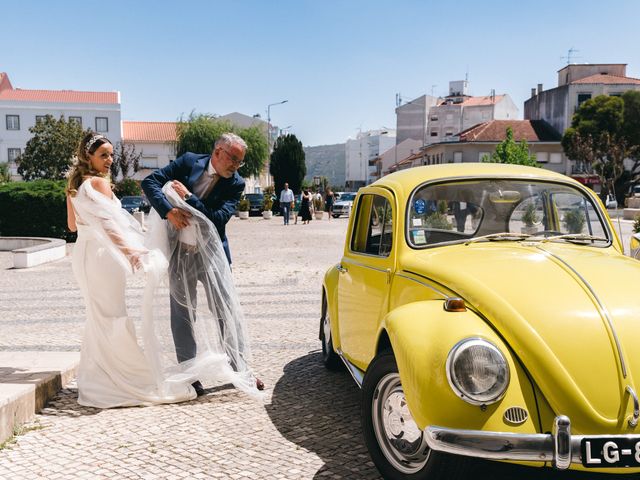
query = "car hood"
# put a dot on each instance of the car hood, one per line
(344, 203)
(560, 307)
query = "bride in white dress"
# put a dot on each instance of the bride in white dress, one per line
(116, 369)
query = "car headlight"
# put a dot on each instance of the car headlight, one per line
(477, 371)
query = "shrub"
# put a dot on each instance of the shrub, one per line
(530, 218)
(127, 187)
(636, 224)
(574, 220)
(34, 209)
(244, 204)
(267, 203)
(438, 220)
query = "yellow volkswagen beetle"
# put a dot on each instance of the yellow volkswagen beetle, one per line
(487, 311)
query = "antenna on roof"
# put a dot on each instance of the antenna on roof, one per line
(570, 56)
(466, 75)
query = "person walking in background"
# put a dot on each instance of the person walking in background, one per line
(329, 199)
(286, 202)
(305, 207)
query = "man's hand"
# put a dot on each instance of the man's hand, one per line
(179, 188)
(179, 218)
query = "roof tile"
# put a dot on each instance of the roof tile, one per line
(149, 132)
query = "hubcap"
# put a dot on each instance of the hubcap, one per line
(398, 435)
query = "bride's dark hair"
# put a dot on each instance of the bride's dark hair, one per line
(82, 164)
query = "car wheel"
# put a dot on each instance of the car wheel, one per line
(396, 444)
(335, 216)
(330, 358)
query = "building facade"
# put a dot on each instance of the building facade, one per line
(20, 109)
(473, 144)
(155, 141)
(360, 151)
(577, 84)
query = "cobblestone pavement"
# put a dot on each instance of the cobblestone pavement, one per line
(307, 428)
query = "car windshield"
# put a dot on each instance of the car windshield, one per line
(131, 200)
(255, 196)
(347, 197)
(503, 210)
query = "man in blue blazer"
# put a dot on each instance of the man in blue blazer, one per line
(210, 184)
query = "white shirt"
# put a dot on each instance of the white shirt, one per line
(286, 196)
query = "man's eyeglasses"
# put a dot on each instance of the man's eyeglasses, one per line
(235, 161)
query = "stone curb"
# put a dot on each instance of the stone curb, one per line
(28, 380)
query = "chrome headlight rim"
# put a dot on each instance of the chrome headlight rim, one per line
(451, 358)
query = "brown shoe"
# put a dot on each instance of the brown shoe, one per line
(259, 384)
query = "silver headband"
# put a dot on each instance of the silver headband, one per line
(93, 140)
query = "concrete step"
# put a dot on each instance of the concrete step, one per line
(28, 380)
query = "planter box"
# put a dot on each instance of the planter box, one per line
(267, 214)
(243, 215)
(318, 215)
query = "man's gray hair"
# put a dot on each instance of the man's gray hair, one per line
(229, 139)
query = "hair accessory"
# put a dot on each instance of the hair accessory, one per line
(93, 140)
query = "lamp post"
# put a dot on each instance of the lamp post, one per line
(269, 135)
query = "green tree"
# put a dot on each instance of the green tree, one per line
(508, 151)
(199, 132)
(287, 163)
(49, 152)
(602, 135)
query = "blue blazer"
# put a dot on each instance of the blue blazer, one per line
(218, 207)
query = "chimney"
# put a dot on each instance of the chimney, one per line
(533, 92)
(539, 88)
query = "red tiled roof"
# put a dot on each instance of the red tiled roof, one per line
(608, 79)
(59, 96)
(149, 132)
(477, 101)
(496, 131)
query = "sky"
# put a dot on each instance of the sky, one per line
(339, 64)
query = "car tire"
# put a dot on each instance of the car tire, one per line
(335, 216)
(402, 454)
(330, 358)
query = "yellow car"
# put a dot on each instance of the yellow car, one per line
(487, 311)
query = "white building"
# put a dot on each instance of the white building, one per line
(459, 111)
(20, 109)
(430, 120)
(156, 141)
(360, 151)
(577, 84)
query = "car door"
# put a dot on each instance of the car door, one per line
(366, 269)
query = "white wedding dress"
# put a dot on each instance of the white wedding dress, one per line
(116, 369)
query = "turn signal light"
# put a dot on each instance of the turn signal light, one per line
(454, 304)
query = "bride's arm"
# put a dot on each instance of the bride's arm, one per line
(71, 216)
(113, 229)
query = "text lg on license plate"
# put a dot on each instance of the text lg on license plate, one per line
(603, 452)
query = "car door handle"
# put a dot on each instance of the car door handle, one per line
(342, 269)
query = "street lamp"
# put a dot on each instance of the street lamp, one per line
(269, 135)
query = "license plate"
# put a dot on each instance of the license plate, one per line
(603, 452)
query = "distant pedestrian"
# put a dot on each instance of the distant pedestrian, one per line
(287, 201)
(329, 200)
(305, 207)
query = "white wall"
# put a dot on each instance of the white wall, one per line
(27, 111)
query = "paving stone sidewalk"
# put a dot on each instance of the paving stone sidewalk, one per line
(307, 428)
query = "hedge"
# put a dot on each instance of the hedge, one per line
(34, 209)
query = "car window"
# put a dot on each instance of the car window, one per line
(373, 228)
(462, 210)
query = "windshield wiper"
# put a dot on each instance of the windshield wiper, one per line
(504, 236)
(579, 238)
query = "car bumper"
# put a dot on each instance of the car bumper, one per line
(559, 447)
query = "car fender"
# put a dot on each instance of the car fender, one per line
(421, 335)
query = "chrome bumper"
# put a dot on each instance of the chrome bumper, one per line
(558, 447)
